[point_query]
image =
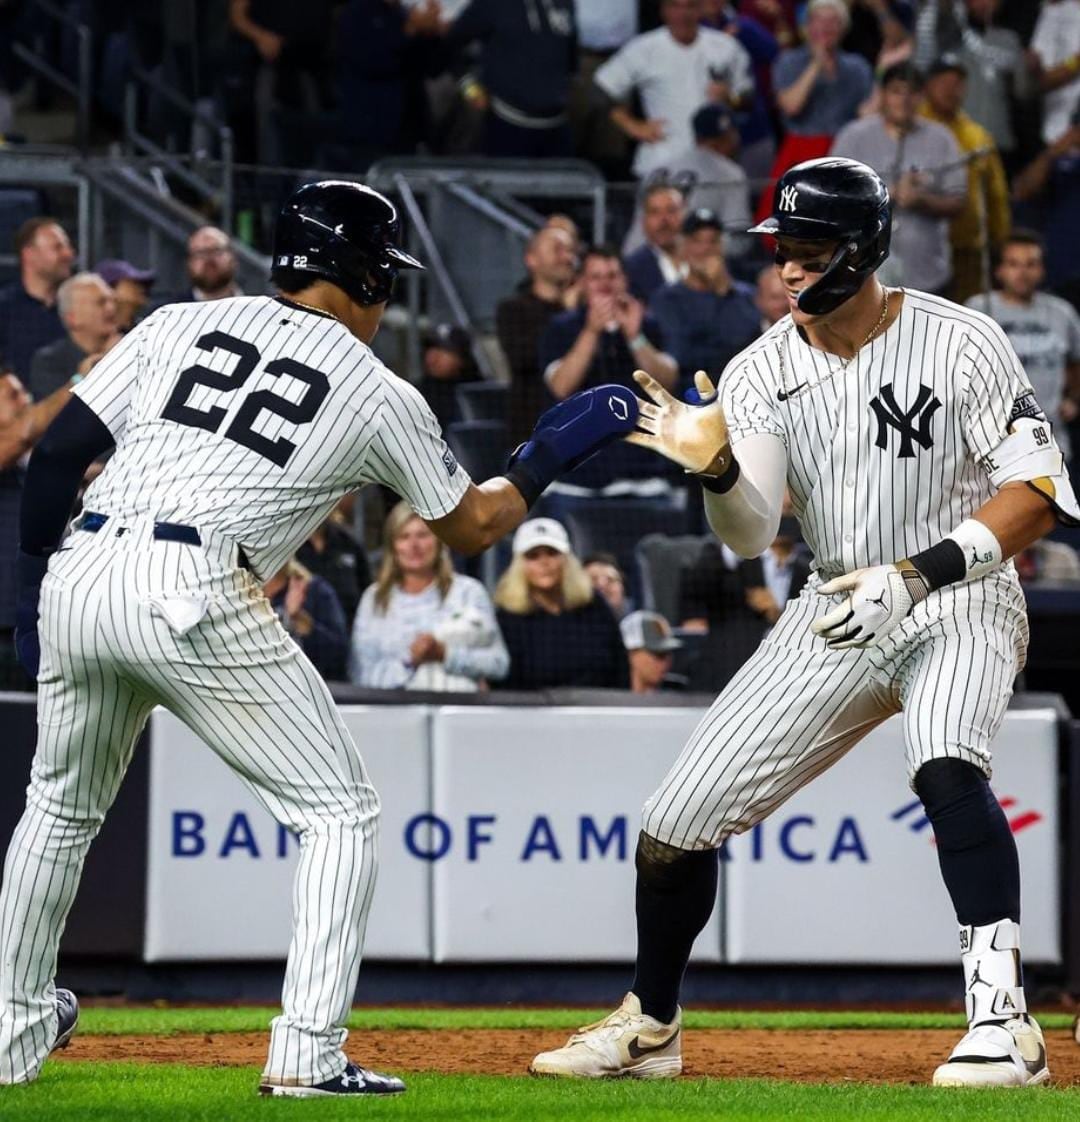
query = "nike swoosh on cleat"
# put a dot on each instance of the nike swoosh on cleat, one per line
(637, 1050)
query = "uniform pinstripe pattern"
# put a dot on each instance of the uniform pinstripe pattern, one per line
(796, 707)
(110, 654)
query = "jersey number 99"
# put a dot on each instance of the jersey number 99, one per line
(242, 428)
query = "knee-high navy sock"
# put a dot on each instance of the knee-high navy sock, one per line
(676, 890)
(976, 849)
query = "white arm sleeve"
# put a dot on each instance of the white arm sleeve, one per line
(747, 517)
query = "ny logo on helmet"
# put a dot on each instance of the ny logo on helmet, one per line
(787, 199)
(618, 407)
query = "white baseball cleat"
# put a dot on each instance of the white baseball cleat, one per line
(1008, 1054)
(625, 1044)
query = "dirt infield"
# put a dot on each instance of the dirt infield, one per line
(865, 1055)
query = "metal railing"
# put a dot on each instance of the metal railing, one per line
(186, 168)
(34, 57)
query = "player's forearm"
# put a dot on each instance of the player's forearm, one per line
(487, 512)
(1017, 516)
(69, 446)
(746, 516)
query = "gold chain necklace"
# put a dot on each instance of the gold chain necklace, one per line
(783, 344)
(871, 333)
(311, 308)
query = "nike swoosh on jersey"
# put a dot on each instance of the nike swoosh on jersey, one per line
(782, 395)
(637, 1050)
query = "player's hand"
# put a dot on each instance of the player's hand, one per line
(693, 436)
(878, 599)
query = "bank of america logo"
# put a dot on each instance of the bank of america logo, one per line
(914, 817)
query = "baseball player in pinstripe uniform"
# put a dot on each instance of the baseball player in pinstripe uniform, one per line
(238, 425)
(918, 462)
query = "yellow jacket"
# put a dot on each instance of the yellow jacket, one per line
(964, 230)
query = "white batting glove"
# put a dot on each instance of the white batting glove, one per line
(693, 436)
(880, 597)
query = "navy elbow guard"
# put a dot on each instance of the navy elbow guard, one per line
(570, 433)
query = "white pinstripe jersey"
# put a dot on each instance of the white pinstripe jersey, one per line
(251, 417)
(885, 453)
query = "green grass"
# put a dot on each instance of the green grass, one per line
(103, 1092)
(121, 1021)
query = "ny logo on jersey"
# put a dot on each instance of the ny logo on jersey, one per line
(787, 199)
(913, 425)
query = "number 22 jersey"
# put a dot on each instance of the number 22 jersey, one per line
(251, 417)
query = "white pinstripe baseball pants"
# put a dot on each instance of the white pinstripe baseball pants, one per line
(239, 682)
(795, 707)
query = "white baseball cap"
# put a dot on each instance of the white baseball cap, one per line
(541, 531)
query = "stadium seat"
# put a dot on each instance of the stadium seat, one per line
(660, 563)
(483, 401)
(617, 525)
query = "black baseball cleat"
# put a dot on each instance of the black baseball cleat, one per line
(353, 1080)
(67, 1018)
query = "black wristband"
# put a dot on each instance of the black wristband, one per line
(525, 482)
(941, 564)
(721, 484)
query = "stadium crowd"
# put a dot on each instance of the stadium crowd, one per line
(970, 108)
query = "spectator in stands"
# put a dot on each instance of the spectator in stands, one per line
(520, 321)
(651, 647)
(770, 298)
(603, 27)
(422, 626)
(311, 613)
(985, 220)
(1047, 189)
(755, 121)
(87, 310)
(288, 47)
(779, 574)
(558, 631)
(778, 17)
(211, 266)
(608, 580)
(131, 288)
(818, 87)
(927, 181)
(674, 70)
(605, 339)
(656, 261)
(382, 51)
(706, 317)
(998, 72)
(1056, 45)
(28, 315)
(1047, 562)
(334, 552)
(527, 62)
(1043, 329)
(712, 180)
(881, 31)
(22, 424)
(447, 364)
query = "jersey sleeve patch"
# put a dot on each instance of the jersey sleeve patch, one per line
(1026, 405)
(450, 463)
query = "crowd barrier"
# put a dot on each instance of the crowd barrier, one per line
(508, 835)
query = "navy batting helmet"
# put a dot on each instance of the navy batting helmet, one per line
(345, 233)
(833, 200)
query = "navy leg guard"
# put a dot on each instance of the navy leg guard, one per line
(975, 846)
